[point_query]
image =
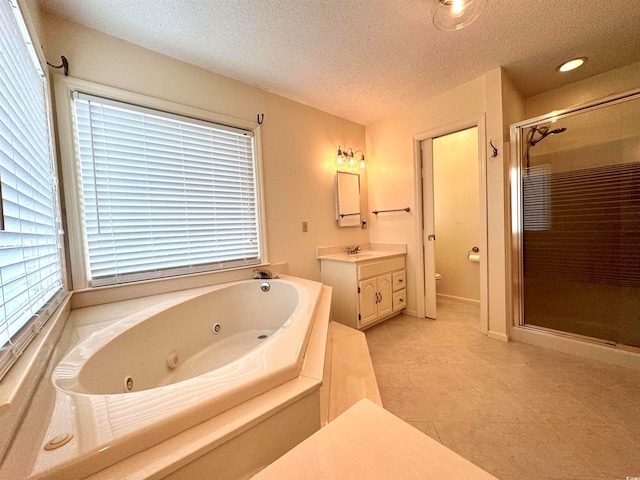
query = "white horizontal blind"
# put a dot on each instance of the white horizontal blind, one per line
(536, 197)
(593, 233)
(163, 194)
(30, 268)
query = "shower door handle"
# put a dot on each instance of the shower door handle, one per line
(431, 238)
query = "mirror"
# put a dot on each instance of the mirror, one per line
(348, 199)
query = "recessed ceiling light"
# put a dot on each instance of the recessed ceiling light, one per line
(572, 64)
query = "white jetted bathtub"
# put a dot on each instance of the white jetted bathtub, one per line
(172, 365)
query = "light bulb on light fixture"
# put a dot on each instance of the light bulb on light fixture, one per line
(340, 157)
(451, 15)
(348, 159)
(457, 7)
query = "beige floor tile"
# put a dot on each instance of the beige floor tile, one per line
(561, 408)
(520, 450)
(427, 428)
(450, 354)
(609, 448)
(614, 377)
(524, 378)
(392, 375)
(511, 477)
(499, 353)
(614, 407)
(474, 377)
(499, 404)
(417, 404)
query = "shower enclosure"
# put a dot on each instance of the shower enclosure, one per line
(575, 182)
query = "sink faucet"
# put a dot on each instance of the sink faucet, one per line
(262, 273)
(351, 250)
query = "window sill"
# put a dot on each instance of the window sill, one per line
(126, 291)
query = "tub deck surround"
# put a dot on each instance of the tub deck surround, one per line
(94, 355)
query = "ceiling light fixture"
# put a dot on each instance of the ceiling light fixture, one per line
(451, 15)
(572, 64)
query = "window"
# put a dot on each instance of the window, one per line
(536, 198)
(30, 266)
(162, 194)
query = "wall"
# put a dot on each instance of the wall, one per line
(457, 213)
(390, 148)
(299, 143)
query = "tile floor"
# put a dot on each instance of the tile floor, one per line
(516, 410)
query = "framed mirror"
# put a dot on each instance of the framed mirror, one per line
(348, 199)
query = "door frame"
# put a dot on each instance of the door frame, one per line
(479, 122)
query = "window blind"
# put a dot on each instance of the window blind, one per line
(30, 268)
(535, 194)
(163, 194)
(594, 227)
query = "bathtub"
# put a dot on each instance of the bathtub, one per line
(169, 366)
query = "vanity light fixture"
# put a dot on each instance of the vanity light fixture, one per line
(347, 158)
(572, 64)
(451, 15)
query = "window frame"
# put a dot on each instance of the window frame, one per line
(64, 88)
(45, 319)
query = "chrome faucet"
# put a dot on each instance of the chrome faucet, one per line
(262, 273)
(351, 250)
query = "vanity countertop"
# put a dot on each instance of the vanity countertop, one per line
(360, 256)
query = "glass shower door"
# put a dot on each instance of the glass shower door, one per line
(580, 223)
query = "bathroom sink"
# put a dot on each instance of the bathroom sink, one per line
(358, 256)
(355, 257)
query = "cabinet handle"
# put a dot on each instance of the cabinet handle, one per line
(380, 297)
(400, 280)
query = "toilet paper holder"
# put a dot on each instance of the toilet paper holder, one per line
(473, 254)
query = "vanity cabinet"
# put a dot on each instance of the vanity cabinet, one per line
(366, 290)
(375, 299)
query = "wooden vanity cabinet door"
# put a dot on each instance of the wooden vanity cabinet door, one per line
(368, 301)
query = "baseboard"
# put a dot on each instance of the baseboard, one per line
(593, 351)
(497, 336)
(458, 299)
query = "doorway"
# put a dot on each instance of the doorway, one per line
(454, 227)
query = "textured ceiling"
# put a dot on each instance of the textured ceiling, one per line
(367, 59)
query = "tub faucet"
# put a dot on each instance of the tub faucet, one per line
(262, 273)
